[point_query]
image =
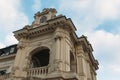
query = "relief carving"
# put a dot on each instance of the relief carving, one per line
(26, 63)
(57, 65)
(14, 69)
(58, 36)
(21, 46)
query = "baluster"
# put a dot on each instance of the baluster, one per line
(34, 72)
(30, 72)
(38, 71)
(41, 71)
(44, 70)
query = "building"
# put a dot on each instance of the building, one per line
(48, 49)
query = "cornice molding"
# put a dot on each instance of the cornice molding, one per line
(29, 32)
(8, 56)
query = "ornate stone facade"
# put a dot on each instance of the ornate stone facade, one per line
(49, 49)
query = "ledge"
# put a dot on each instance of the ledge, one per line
(8, 56)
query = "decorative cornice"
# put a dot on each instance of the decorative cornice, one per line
(21, 46)
(28, 32)
(45, 11)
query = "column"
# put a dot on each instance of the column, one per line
(57, 53)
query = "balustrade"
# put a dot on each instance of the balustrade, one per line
(37, 71)
(5, 76)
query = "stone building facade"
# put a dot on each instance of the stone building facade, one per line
(48, 49)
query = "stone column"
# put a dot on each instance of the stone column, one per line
(57, 53)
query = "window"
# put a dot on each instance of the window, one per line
(72, 62)
(2, 72)
(1, 52)
(43, 19)
(12, 50)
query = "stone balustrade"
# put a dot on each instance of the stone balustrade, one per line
(33, 72)
(5, 76)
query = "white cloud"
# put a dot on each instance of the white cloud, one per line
(75, 4)
(107, 9)
(115, 68)
(11, 18)
(10, 39)
(106, 49)
(1, 45)
(89, 14)
(36, 6)
(99, 8)
(105, 42)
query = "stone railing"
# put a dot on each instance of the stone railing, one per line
(5, 76)
(33, 72)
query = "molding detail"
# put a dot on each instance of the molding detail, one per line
(14, 69)
(20, 46)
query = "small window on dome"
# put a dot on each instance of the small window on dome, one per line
(43, 19)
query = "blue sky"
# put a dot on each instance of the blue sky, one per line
(99, 20)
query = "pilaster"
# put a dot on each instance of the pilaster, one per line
(81, 65)
(20, 63)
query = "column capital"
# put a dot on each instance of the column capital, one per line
(20, 46)
(58, 37)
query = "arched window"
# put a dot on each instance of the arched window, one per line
(43, 19)
(72, 62)
(40, 58)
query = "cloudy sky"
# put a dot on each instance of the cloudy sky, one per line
(99, 20)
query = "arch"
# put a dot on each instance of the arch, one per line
(32, 50)
(36, 49)
(39, 57)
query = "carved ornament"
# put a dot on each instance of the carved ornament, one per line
(20, 46)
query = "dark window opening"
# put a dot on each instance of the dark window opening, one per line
(8, 50)
(2, 72)
(72, 63)
(43, 19)
(40, 58)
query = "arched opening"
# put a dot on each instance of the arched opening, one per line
(2, 72)
(40, 58)
(72, 63)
